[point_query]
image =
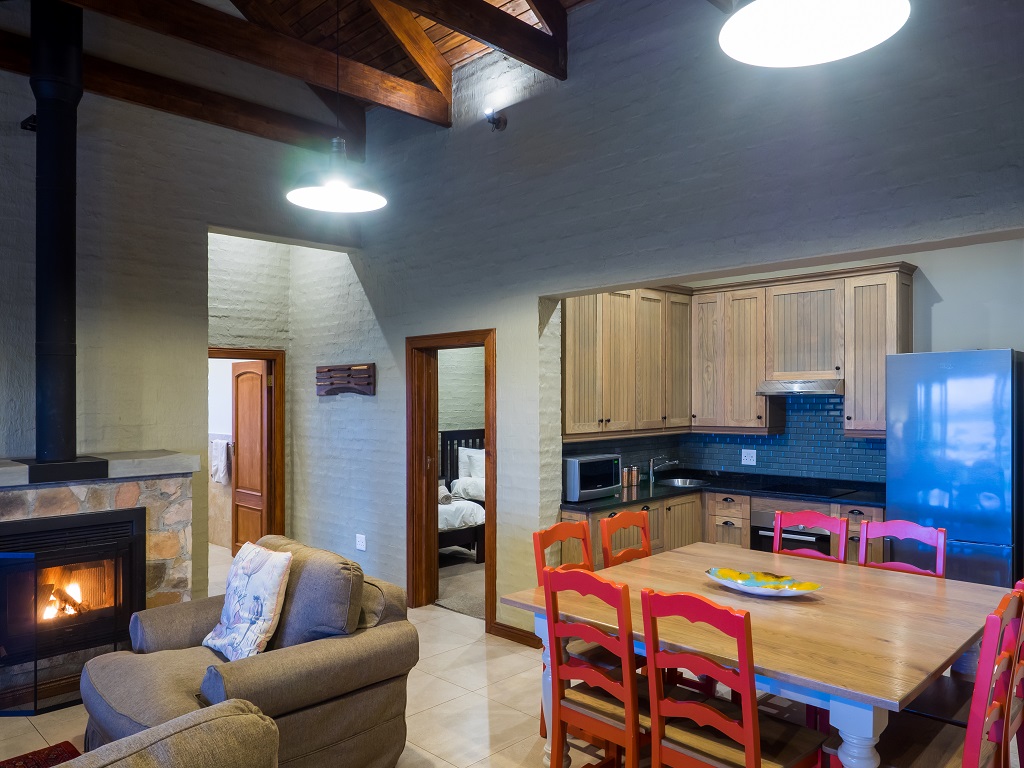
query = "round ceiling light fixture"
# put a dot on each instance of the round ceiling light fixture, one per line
(334, 191)
(800, 33)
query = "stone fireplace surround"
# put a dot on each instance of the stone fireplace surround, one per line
(160, 481)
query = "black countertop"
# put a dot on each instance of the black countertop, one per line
(774, 486)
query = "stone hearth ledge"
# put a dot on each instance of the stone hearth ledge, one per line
(121, 464)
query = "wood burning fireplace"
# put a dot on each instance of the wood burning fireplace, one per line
(68, 587)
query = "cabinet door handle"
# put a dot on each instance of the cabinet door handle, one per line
(729, 500)
(837, 367)
(645, 508)
(758, 417)
(693, 415)
(855, 512)
(613, 514)
(849, 418)
(664, 418)
(730, 523)
(855, 538)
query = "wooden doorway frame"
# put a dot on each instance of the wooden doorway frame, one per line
(275, 473)
(422, 465)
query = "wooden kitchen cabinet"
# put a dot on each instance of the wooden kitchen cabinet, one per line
(683, 522)
(651, 309)
(804, 336)
(879, 322)
(727, 519)
(856, 515)
(708, 353)
(627, 362)
(599, 379)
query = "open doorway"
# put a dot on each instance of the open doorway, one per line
(246, 444)
(425, 471)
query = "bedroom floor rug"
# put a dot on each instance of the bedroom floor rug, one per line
(47, 757)
(460, 583)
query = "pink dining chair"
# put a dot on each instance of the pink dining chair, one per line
(687, 729)
(620, 522)
(904, 529)
(839, 526)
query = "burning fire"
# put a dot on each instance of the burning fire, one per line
(67, 600)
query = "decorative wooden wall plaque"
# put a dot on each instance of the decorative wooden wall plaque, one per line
(360, 379)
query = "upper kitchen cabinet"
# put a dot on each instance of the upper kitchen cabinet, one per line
(627, 362)
(879, 322)
(728, 364)
(804, 336)
(599, 381)
(708, 354)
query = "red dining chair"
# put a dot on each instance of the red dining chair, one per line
(904, 529)
(839, 526)
(560, 533)
(688, 731)
(912, 741)
(603, 702)
(620, 522)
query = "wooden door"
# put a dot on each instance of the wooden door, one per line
(250, 492)
(651, 308)
(618, 360)
(743, 311)
(582, 395)
(878, 323)
(708, 359)
(683, 522)
(804, 330)
(677, 360)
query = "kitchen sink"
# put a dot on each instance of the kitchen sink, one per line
(681, 482)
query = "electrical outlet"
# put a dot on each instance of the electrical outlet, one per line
(361, 542)
(748, 456)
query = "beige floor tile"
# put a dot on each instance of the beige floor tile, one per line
(426, 691)
(533, 653)
(529, 753)
(464, 625)
(469, 728)
(426, 613)
(414, 757)
(435, 639)
(20, 744)
(476, 665)
(62, 725)
(14, 726)
(520, 692)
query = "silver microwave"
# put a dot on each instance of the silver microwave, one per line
(592, 477)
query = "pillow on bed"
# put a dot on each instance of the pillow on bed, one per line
(469, 488)
(443, 496)
(471, 462)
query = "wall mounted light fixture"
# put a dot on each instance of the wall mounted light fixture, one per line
(498, 122)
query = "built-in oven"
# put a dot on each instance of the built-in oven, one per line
(762, 535)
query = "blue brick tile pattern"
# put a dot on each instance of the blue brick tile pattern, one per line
(813, 445)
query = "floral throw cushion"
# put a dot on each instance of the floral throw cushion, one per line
(252, 602)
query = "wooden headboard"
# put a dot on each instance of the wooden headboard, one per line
(448, 459)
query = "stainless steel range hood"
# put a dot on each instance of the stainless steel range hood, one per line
(805, 387)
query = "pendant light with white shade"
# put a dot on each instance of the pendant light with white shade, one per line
(800, 33)
(337, 190)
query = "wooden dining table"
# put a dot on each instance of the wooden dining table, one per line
(865, 644)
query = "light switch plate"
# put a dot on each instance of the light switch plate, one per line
(361, 542)
(748, 456)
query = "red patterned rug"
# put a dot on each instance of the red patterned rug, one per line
(43, 758)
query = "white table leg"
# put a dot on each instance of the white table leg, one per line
(540, 629)
(859, 725)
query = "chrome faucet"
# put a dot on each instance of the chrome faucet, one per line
(661, 466)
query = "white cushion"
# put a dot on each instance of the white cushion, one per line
(468, 488)
(252, 602)
(471, 462)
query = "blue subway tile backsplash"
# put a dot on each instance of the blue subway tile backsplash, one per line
(813, 445)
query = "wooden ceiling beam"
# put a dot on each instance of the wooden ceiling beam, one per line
(217, 31)
(493, 27)
(414, 41)
(350, 112)
(116, 81)
(553, 16)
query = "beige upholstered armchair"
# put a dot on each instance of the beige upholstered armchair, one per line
(333, 677)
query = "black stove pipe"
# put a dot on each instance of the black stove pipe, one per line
(57, 84)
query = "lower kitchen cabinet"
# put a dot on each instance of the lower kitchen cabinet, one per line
(727, 519)
(856, 515)
(683, 522)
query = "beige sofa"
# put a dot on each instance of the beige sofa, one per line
(232, 734)
(333, 677)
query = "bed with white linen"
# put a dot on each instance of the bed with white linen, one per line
(461, 523)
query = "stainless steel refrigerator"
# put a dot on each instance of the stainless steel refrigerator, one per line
(953, 458)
